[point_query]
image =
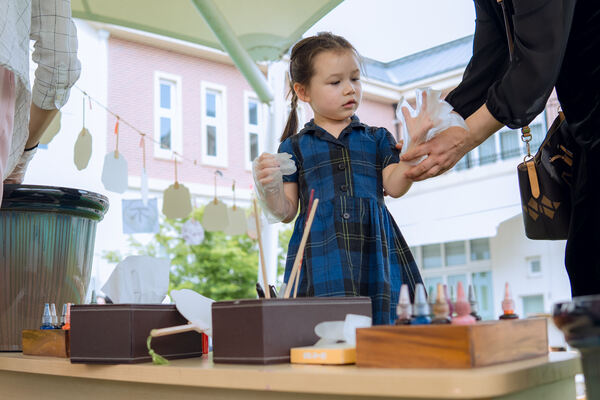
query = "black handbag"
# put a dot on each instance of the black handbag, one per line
(545, 179)
(545, 183)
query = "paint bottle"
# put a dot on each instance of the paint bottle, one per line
(508, 305)
(421, 307)
(450, 305)
(404, 306)
(463, 309)
(431, 298)
(440, 307)
(46, 318)
(54, 316)
(473, 303)
(67, 325)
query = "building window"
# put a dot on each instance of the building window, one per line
(505, 145)
(487, 151)
(465, 162)
(432, 256)
(214, 125)
(509, 144)
(253, 127)
(480, 249)
(534, 265)
(455, 253)
(467, 261)
(167, 115)
(533, 305)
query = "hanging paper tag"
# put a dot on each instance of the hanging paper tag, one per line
(177, 202)
(83, 149)
(51, 130)
(192, 232)
(215, 216)
(139, 217)
(237, 221)
(144, 186)
(114, 172)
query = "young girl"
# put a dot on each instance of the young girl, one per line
(354, 248)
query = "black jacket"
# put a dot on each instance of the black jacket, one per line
(556, 44)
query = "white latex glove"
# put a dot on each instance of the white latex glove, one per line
(268, 170)
(438, 111)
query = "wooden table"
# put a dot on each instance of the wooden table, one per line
(26, 377)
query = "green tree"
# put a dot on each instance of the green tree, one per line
(221, 267)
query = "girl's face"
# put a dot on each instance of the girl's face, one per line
(334, 91)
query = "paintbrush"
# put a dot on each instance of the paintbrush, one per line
(260, 249)
(310, 203)
(298, 259)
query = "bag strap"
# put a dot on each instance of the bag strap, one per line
(525, 131)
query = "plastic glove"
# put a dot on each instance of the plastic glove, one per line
(439, 112)
(18, 173)
(268, 171)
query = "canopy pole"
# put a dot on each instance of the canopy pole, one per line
(232, 45)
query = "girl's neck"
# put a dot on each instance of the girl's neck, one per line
(334, 127)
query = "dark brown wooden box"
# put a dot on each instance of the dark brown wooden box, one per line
(451, 346)
(45, 342)
(117, 333)
(263, 331)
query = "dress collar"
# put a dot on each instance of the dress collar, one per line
(311, 127)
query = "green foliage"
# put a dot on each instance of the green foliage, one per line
(221, 267)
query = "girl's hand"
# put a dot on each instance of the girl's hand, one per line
(267, 169)
(418, 126)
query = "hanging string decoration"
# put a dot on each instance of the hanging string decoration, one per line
(83, 145)
(114, 172)
(215, 216)
(237, 218)
(177, 202)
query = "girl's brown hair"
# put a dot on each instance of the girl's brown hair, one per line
(301, 68)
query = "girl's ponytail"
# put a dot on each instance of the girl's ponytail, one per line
(291, 125)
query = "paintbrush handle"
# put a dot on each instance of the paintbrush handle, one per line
(263, 267)
(300, 252)
(173, 330)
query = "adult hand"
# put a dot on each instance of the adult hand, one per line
(442, 151)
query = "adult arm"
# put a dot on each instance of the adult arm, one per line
(55, 53)
(541, 30)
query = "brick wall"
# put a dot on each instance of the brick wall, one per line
(131, 68)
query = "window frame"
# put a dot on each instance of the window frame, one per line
(530, 272)
(220, 121)
(175, 114)
(248, 128)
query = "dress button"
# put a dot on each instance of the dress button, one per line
(343, 188)
(346, 216)
(341, 166)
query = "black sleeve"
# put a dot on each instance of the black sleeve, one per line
(488, 63)
(541, 31)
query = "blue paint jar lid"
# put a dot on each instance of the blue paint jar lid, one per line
(34, 198)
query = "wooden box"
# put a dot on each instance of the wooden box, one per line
(117, 333)
(451, 346)
(263, 331)
(45, 342)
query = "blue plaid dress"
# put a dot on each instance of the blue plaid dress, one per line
(354, 248)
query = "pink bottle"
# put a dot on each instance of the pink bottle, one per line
(462, 308)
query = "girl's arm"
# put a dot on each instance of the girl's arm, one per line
(290, 189)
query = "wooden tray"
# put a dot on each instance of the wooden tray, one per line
(451, 346)
(45, 342)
